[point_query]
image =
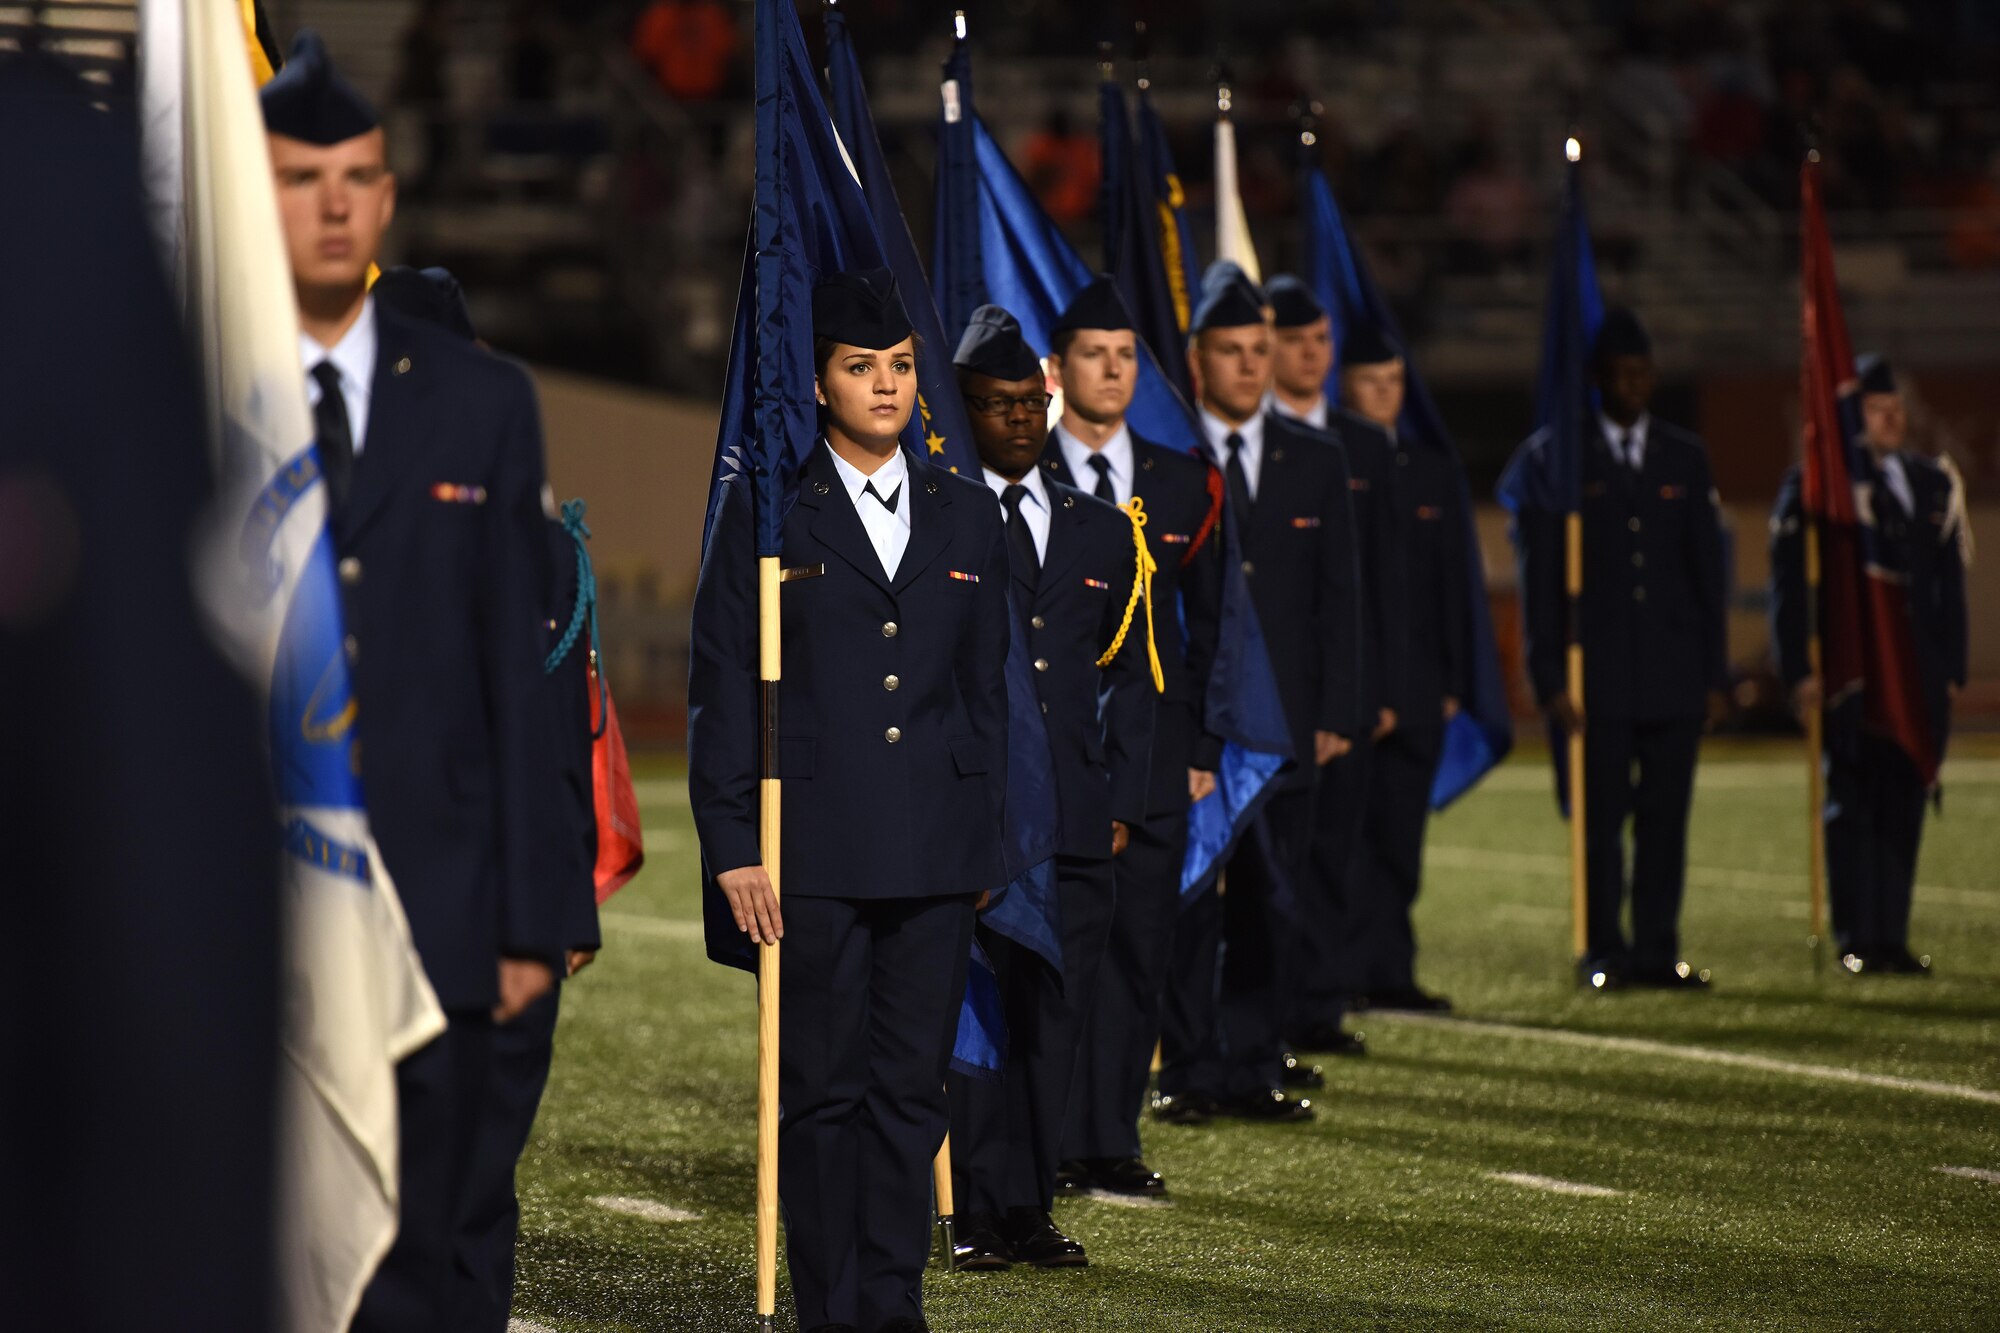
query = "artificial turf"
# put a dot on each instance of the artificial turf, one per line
(1748, 1197)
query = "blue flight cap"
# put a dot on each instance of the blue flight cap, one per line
(993, 345)
(1875, 373)
(1229, 299)
(862, 308)
(1293, 305)
(1621, 334)
(431, 294)
(311, 100)
(1098, 306)
(1368, 345)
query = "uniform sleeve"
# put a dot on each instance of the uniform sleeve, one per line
(568, 691)
(535, 868)
(982, 659)
(1952, 604)
(1788, 583)
(1539, 540)
(1128, 703)
(722, 692)
(1709, 558)
(1201, 608)
(1337, 608)
(1386, 585)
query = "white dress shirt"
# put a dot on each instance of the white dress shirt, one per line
(354, 357)
(1035, 508)
(1116, 451)
(1633, 437)
(888, 533)
(1314, 416)
(1898, 481)
(1252, 432)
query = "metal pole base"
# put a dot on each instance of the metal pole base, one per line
(948, 1235)
(767, 1323)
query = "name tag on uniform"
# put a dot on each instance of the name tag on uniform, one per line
(1357, 483)
(1673, 492)
(962, 576)
(452, 494)
(1308, 521)
(1096, 583)
(1429, 513)
(1176, 538)
(797, 572)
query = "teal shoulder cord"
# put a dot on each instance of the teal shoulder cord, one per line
(585, 611)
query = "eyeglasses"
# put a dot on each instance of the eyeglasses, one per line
(1003, 404)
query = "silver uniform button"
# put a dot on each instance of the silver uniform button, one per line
(350, 570)
(1045, 708)
(1402, 460)
(888, 629)
(1041, 664)
(1038, 623)
(1249, 568)
(1638, 594)
(353, 647)
(890, 682)
(892, 735)
(1632, 523)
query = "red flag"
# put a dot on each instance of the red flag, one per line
(620, 850)
(1866, 640)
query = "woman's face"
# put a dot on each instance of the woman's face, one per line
(868, 393)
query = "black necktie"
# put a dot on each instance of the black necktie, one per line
(1027, 564)
(894, 496)
(1103, 490)
(1239, 482)
(336, 438)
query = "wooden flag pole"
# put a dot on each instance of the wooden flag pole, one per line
(770, 663)
(946, 1206)
(1815, 721)
(1579, 899)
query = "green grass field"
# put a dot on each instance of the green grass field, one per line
(1767, 1193)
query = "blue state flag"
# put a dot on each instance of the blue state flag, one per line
(1027, 266)
(1025, 911)
(1131, 223)
(1169, 206)
(1483, 731)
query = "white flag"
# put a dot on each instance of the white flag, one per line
(356, 999)
(1232, 228)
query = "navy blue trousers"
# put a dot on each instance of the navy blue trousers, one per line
(1234, 960)
(1006, 1133)
(1332, 913)
(440, 1091)
(1389, 859)
(490, 1214)
(869, 1007)
(1874, 822)
(1642, 772)
(1116, 1060)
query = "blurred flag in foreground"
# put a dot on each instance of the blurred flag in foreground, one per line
(356, 997)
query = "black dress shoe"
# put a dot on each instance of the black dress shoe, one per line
(1036, 1239)
(1410, 999)
(1677, 977)
(1332, 1039)
(1188, 1110)
(1903, 963)
(1301, 1077)
(1600, 974)
(1128, 1177)
(1273, 1105)
(1072, 1177)
(980, 1247)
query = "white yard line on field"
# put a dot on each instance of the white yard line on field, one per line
(1706, 877)
(1698, 1054)
(650, 1210)
(1972, 1173)
(1550, 1185)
